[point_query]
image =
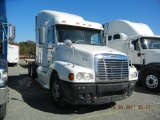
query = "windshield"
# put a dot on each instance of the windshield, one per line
(150, 43)
(79, 35)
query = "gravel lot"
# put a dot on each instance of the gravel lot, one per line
(29, 101)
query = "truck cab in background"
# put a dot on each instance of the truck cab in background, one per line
(142, 47)
(73, 62)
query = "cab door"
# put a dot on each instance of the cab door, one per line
(135, 54)
(46, 46)
(51, 45)
(48, 55)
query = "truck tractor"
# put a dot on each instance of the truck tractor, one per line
(73, 62)
(142, 47)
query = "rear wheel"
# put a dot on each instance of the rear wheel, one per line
(3, 111)
(29, 69)
(57, 93)
(151, 81)
(33, 70)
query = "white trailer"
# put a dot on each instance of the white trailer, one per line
(141, 45)
(13, 54)
(73, 62)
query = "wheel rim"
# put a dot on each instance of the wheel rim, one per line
(55, 91)
(151, 81)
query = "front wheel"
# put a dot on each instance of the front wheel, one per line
(151, 81)
(3, 111)
(57, 93)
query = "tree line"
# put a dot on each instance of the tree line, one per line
(27, 48)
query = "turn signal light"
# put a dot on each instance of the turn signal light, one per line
(71, 76)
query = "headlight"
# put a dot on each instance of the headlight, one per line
(84, 76)
(3, 77)
(87, 76)
(79, 76)
(133, 75)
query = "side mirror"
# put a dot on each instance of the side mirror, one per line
(106, 39)
(41, 35)
(67, 43)
(132, 47)
(12, 32)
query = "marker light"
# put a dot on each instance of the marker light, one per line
(77, 23)
(63, 21)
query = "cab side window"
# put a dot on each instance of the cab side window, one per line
(109, 38)
(116, 36)
(136, 45)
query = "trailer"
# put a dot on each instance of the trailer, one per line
(13, 54)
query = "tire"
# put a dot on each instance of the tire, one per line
(32, 70)
(29, 69)
(32, 73)
(3, 111)
(57, 93)
(151, 81)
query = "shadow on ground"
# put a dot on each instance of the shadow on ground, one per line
(39, 98)
(24, 65)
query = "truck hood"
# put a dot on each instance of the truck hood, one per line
(153, 52)
(152, 55)
(83, 54)
(91, 50)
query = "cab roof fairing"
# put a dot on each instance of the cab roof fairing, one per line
(50, 18)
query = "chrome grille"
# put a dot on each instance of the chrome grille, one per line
(110, 67)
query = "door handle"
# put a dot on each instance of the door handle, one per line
(138, 54)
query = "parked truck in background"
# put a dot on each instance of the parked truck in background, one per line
(13, 54)
(6, 34)
(73, 62)
(141, 45)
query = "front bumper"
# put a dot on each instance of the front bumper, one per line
(96, 93)
(3, 95)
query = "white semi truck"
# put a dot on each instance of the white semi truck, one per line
(73, 62)
(141, 45)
